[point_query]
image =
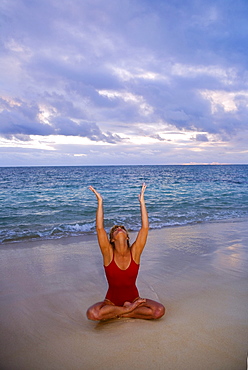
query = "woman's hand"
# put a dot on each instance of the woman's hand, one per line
(141, 195)
(98, 195)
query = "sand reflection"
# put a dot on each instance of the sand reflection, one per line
(233, 259)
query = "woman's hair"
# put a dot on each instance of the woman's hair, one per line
(112, 231)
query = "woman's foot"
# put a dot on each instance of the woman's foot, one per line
(132, 305)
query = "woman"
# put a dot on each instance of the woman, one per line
(121, 263)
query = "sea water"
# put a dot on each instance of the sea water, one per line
(52, 202)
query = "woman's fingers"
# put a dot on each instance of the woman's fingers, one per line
(143, 188)
(92, 189)
(95, 192)
(141, 195)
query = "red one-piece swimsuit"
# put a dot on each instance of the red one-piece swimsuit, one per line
(122, 286)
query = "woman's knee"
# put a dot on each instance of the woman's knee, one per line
(92, 314)
(159, 311)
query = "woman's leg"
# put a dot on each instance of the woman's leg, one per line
(107, 310)
(148, 310)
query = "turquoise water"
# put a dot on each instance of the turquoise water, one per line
(51, 202)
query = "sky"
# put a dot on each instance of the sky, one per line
(123, 82)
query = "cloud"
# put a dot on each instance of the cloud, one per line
(122, 71)
(22, 120)
(201, 137)
(84, 129)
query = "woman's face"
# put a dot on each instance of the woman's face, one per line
(118, 229)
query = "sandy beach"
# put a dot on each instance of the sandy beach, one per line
(198, 272)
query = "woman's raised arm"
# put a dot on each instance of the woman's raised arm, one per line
(144, 214)
(140, 241)
(102, 236)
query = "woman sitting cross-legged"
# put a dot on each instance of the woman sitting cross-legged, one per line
(121, 262)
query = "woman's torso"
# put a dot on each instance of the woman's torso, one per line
(122, 282)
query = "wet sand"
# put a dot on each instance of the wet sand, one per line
(198, 272)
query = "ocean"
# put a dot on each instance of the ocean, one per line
(54, 202)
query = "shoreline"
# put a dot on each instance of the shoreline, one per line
(90, 236)
(199, 272)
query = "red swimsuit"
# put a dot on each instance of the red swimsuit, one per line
(122, 286)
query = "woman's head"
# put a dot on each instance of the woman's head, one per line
(112, 231)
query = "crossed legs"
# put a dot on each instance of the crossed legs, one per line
(139, 309)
